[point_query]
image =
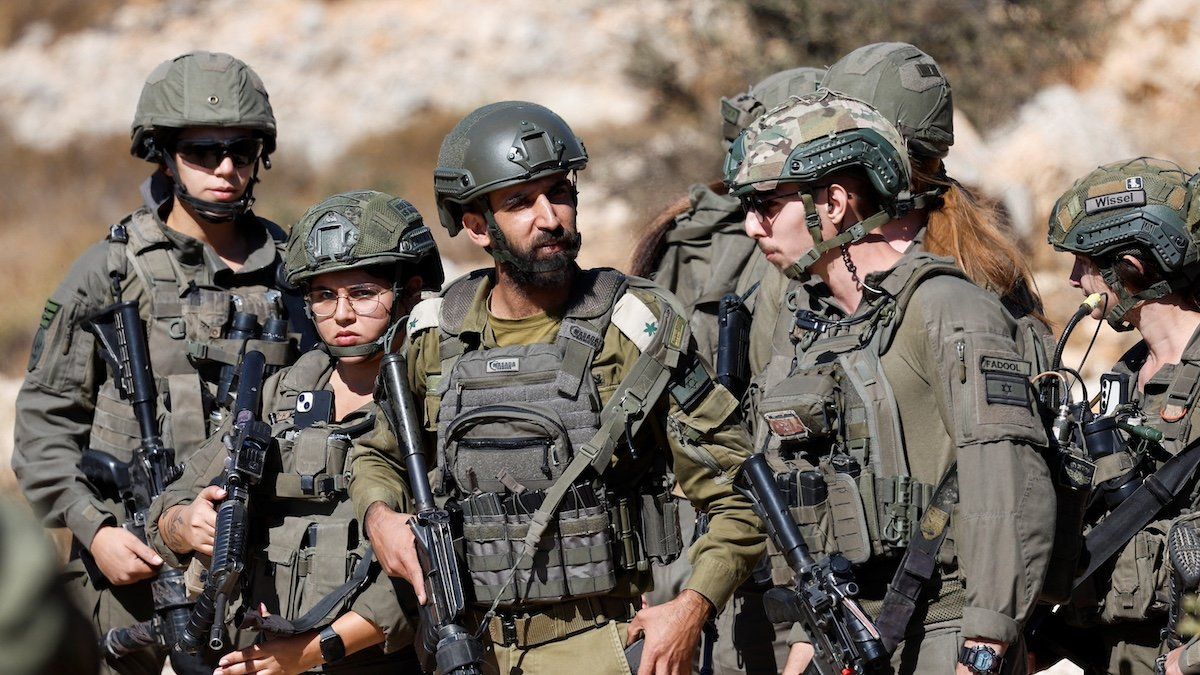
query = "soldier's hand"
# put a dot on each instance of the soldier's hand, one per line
(192, 527)
(671, 632)
(279, 656)
(1172, 666)
(798, 659)
(122, 557)
(395, 547)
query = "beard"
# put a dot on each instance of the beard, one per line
(533, 268)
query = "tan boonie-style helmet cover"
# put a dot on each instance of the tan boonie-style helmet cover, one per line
(1145, 205)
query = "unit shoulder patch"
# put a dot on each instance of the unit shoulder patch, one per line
(426, 315)
(634, 318)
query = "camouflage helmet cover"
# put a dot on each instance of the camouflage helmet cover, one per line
(737, 113)
(906, 85)
(813, 136)
(1142, 203)
(361, 229)
(201, 89)
(498, 145)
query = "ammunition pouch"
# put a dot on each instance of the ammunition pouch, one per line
(317, 465)
(305, 560)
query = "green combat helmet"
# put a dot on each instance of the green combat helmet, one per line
(904, 84)
(812, 137)
(360, 229)
(1146, 206)
(737, 113)
(202, 89)
(498, 145)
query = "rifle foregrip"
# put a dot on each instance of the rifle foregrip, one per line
(120, 642)
(204, 613)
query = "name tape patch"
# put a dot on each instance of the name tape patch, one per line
(1115, 201)
(510, 364)
(995, 364)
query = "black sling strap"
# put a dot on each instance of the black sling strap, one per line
(919, 563)
(1141, 507)
(319, 615)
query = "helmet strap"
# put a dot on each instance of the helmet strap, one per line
(368, 349)
(213, 212)
(1126, 300)
(850, 235)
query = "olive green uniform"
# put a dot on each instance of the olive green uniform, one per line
(302, 546)
(938, 365)
(1123, 606)
(707, 446)
(68, 402)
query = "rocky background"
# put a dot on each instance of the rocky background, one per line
(364, 90)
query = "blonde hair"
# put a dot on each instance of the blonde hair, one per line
(968, 228)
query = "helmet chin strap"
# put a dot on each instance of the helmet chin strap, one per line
(214, 212)
(369, 348)
(1126, 300)
(852, 234)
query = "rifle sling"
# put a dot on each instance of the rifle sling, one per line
(919, 563)
(319, 615)
(1141, 507)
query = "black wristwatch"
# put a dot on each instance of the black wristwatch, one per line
(332, 648)
(980, 659)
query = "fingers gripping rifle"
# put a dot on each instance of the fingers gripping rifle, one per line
(457, 651)
(121, 342)
(248, 442)
(844, 639)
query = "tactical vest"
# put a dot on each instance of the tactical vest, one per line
(829, 423)
(186, 327)
(510, 422)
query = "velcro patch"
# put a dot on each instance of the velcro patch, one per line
(691, 389)
(1005, 389)
(1116, 200)
(48, 313)
(580, 334)
(510, 364)
(675, 340)
(995, 364)
(633, 318)
(424, 316)
(786, 424)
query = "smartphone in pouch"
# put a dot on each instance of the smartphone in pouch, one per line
(313, 407)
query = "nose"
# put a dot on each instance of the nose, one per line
(545, 216)
(344, 313)
(1077, 273)
(754, 226)
(225, 169)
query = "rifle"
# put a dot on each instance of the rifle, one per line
(456, 650)
(121, 341)
(844, 639)
(248, 442)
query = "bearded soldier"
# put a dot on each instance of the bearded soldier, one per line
(896, 396)
(552, 391)
(198, 263)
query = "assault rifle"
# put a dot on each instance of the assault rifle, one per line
(844, 639)
(456, 651)
(248, 442)
(121, 341)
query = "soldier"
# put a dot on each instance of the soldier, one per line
(195, 259)
(1131, 227)
(697, 250)
(895, 395)
(535, 374)
(362, 259)
(908, 87)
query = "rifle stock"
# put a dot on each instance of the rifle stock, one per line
(844, 639)
(456, 651)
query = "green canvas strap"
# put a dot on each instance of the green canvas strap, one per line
(854, 233)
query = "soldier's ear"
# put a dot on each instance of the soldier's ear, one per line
(476, 228)
(838, 204)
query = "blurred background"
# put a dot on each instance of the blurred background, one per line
(364, 90)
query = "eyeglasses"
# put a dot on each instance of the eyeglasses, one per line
(364, 300)
(209, 153)
(766, 205)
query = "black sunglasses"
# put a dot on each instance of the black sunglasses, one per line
(210, 153)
